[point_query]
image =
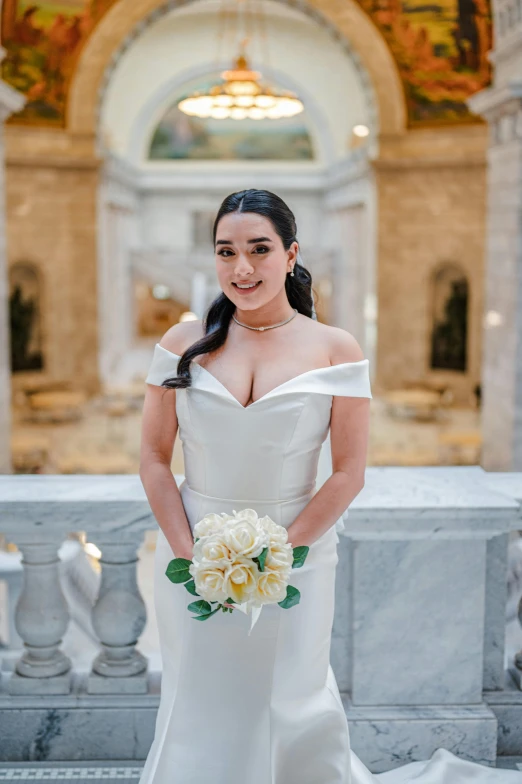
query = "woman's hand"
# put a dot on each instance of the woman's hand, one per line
(298, 541)
(183, 552)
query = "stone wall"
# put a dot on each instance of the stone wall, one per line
(51, 195)
(431, 187)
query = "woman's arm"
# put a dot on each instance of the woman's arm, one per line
(349, 430)
(158, 433)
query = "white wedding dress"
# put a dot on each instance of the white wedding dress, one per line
(262, 708)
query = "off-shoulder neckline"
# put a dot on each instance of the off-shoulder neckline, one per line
(327, 368)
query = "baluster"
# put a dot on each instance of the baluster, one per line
(41, 619)
(118, 617)
(516, 670)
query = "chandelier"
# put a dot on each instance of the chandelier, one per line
(242, 95)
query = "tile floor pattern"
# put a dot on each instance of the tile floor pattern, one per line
(121, 771)
(124, 774)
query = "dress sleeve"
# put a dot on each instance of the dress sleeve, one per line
(164, 365)
(352, 379)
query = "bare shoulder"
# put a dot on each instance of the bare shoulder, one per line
(182, 335)
(343, 346)
(337, 343)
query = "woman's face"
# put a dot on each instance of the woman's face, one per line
(249, 250)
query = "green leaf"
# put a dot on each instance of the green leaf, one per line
(261, 558)
(204, 616)
(200, 606)
(300, 554)
(177, 570)
(293, 596)
(191, 588)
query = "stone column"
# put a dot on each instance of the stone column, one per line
(198, 295)
(10, 102)
(501, 107)
(116, 229)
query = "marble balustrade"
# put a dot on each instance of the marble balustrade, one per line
(419, 629)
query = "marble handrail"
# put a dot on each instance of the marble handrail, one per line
(419, 628)
(396, 502)
(408, 505)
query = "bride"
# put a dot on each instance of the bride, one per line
(253, 391)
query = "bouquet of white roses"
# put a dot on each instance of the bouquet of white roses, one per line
(240, 561)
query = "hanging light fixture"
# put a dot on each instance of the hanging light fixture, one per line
(242, 95)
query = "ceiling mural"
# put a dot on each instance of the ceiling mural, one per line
(440, 48)
(441, 51)
(43, 40)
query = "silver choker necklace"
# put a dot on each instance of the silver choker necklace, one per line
(271, 326)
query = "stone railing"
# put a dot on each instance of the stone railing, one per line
(418, 645)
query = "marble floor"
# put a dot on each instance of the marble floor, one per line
(124, 772)
(121, 771)
(106, 439)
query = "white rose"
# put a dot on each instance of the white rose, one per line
(280, 557)
(245, 514)
(210, 582)
(241, 579)
(208, 525)
(278, 533)
(271, 586)
(245, 538)
(212, 549)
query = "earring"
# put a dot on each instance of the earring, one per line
(292, 273)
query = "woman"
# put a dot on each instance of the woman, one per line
(254, 390)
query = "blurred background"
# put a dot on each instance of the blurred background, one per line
(135, 125)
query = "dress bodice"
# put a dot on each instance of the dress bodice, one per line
(268, 450)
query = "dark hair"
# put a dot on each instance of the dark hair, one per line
(219, 314)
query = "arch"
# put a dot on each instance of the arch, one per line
(450, 318)
(25, 313)
(344, 18)
(151, 112)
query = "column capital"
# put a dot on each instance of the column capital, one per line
(492, 102)
(11, 101)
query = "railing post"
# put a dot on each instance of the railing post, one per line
(516, 668)
(118, 618)
(41, 620)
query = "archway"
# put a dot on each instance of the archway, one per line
(449, 328)
(126, 20)
(25, 315)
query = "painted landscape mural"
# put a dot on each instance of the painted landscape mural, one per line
(179, 137)
(440, 47)
(441, 51)
(43, 40)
